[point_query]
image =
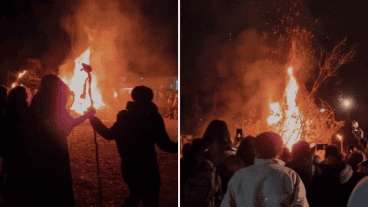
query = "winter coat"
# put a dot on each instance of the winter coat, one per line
(136, 131)
(334, 186)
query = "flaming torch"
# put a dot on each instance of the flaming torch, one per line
(340, 138)
(88, 70)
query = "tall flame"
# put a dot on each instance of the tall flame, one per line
(21, 74)
(292, 125)
(76, 84)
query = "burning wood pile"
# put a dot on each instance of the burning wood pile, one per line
(77, 84)
(297, 116)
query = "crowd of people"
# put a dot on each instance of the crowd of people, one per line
(34, 156)
(261, 171)
(167, 103)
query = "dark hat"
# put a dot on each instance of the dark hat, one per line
(333, 151)
(217, 130)
(142, 93)
(269, 144)
(300, 149)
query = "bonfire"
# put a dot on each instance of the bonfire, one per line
(297, 116)
(78, 84)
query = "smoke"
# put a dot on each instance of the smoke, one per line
(128, 40)
(242, 72)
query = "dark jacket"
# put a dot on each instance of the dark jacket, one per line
(136, 131)
(334, 186)
(40, 169)
(305, 169)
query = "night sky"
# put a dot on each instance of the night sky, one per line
(206, 25)
(31, 29)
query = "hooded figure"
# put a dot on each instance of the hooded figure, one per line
(334, 185)
(43, 176)
(136, 131)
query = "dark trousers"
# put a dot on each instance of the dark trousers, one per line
(141, 188)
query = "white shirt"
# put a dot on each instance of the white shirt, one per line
(358, 198)
(267, 183)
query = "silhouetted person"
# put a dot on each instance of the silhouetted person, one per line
(188, 162)
(16, 105)
(3, 97)
(203, 186)
(267, 182)
(169, 104)
(244, 157)
(354, 159)
(42, 177)
(358, 197)
(285, 155)
(175, 106)
(302, 162)
(334, 185)
(136, 131)
(3, 128)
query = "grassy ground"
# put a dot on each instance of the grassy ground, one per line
(115, 191)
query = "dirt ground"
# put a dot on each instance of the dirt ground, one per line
(115, 191)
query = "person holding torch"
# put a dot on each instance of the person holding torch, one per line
(359, 134)
(136, 131)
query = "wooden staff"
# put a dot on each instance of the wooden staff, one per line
(88, 69)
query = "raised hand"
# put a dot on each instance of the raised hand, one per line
(90, 114)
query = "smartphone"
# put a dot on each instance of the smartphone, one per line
(239, 134)
(351, 149)
(321, 146)
(355, 125)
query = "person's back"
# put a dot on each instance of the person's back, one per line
(331, 188)
(136, 131)
(244, 157)
(302, 162)
(268, 182)
(358, 196)
(141, 126)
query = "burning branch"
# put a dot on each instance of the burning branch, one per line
(332, 62)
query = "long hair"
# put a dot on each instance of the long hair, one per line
(217, 130)
(50, 102)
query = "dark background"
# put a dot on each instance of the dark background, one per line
(330, 22)
(35, 25)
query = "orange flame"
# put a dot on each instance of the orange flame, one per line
(13, 85)
(21, 74)
(76, 84)
(292, 125)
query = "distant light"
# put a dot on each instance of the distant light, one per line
(141, 78)
(339, 137)
(346, 103)
(322, 110)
